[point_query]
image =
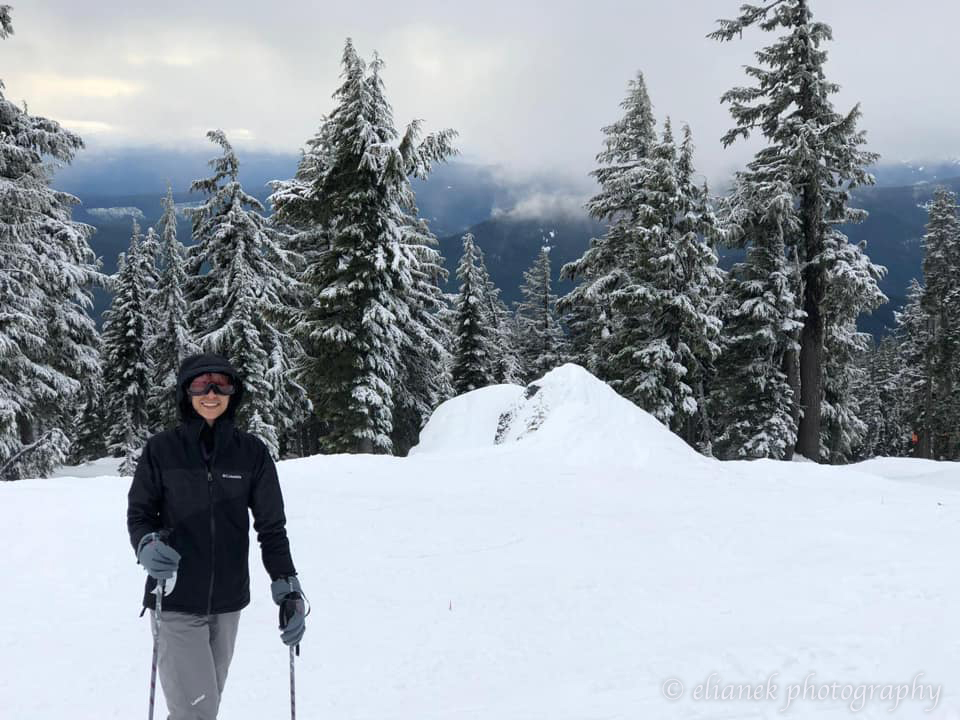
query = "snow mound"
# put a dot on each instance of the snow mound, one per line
(572, 412)
(567, 413)
(468, 421)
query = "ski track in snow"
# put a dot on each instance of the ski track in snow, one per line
(566, 576)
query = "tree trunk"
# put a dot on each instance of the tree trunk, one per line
(811, 336)
(925, 446)
(791, 368)
(706, 434)
(365, 446)
(811, 372)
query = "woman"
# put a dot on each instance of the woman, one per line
(187, 515)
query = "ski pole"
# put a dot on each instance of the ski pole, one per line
(293, 695)
(156, 645)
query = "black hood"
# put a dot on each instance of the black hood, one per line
(198, 365)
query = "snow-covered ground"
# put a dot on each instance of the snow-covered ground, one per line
(570, 572)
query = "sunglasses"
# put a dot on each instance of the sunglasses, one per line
(218, 382)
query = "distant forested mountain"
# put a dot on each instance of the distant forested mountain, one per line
(459, 197)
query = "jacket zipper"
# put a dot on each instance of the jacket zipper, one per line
(213, 529)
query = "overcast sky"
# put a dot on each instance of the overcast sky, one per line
(527, 84)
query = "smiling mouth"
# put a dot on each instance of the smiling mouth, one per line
(210, 405)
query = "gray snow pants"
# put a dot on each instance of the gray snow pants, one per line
(194, 655)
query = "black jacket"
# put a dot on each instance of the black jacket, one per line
(205, 504)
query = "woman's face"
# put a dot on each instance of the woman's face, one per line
(212, 405)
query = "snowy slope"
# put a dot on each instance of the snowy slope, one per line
(566, 572)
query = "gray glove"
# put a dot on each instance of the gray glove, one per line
(158, 559)
(287, 594)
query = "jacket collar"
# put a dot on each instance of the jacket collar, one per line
(221, 427)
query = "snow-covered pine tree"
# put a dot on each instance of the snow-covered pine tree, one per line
(48, 341)
(150, 267)
(504, 351)
(816, 152)
(125, 371)
(543, 344)
(171, 340)
(941, 304)
(697, 284)
(296, 203)
(149, 256)
(447, 317)
(302, 216)
(668, 339)
(580, 322)
(473, 354)
(72, 345)
(236, 307)
(421, 383)
(601, 269)
(869, 389)
(928, 330)
(754, 402)
(150, 260)
(89, 438)
(852, 290)
(914, 376)
(368, 296)
(889, 430)
(349, 322)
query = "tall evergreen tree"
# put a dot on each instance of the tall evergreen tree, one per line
(237, 307)
(171, 340)
(473, 356)
(447, 317)
(89, 440)
(889, 430)
(602, 268)
(695, 284)
(369, 298)
(851, 291)
(125, 368)
(302, 214)
(941, 305)
(928, 330)
(421, 383)
(914, 376)
(543, 343)
(817, 153)
(48, 340)
(668, 341)
(505, 351)
(754, 402)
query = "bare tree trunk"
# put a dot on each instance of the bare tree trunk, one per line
(791, 368)
(791, 360)
(812, 334)
(811, 381)
(706, 434)
(925, 446)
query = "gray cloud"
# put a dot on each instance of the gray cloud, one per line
(528, 85)
(116, 213)
(540, 205)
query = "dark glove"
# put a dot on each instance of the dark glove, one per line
(287, 594)
(158, 559)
